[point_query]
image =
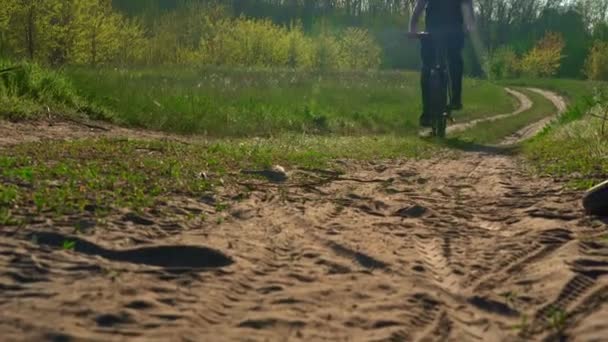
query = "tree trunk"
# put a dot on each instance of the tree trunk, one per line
(29, 32)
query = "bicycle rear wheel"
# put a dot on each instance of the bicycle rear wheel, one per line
(596, 200)
(439, 102)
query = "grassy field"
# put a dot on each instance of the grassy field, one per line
(242, 103)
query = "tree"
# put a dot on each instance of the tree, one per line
(545, 58)
(6, 10)
(35, 26)
(596, 65)
(97, 29)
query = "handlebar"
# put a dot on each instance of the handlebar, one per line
(419, 35)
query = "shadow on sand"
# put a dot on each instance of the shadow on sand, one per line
(469, 146)
(169, 257)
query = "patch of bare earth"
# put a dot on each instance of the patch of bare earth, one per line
(463, 249)
(12, 133)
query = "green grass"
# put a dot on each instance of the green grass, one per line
(244, 103)
(574, 148)
(495, 131)
(100, 176)
(28, 91)
(575, 152)
(573, 90)
(68, 245)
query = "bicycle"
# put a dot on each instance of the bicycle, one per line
(440, 92)
(595, 200)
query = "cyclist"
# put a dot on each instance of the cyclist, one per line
(446, 21)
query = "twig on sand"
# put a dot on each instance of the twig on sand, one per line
(92, 126)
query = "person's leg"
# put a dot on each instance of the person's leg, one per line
(456, 65)
(428, 58)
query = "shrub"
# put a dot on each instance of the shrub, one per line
(502, 63)
(359, 49)
(596, 65)
(545, 57)
(299, 48)
(327, 53)
(246, 42)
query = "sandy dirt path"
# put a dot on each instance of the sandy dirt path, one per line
(462, 249)
(524, 104)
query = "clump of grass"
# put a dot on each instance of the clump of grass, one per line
(29, 91)
(523, 324)
(68, 245)
(574, 149)
(557, 319)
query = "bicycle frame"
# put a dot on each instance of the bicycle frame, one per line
(440, 90)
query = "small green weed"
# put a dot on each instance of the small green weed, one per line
(523, 325)
(68, 245)
(510, 297)
(220, 207)
(557, 319)
(6, 217)
(8, 195)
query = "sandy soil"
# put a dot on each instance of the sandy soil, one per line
(468, 249)
(12, 133)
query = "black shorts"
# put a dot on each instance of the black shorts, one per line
(452, 42)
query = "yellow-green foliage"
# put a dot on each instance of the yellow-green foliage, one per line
(6, 7)
(502, 63)
(359, 49)
(545, 58)
(175, 37)
(300, 49)
(246, 42)
(69, 31)
(250, 42)
(327, 54)
(596, 66)
(92, 32)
